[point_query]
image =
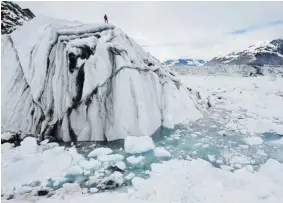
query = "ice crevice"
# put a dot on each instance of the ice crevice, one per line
(89, 82)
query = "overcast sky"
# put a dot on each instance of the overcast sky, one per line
(198, 30)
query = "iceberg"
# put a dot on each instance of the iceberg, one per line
(87, 82)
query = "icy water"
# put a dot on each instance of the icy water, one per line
(206, 139)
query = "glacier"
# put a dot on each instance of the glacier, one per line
(87, 82)
(222, 147)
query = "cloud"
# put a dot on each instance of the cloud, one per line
(240, 31)
(256, 27)
(178, 29)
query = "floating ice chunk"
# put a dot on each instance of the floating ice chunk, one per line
(75, 170)
(243, 132)
(130, 176)
(28, 145)
(6, 136)
(244, 146)
(91, 164)
(253, 140)
(135, 160)
(222, 132)
(198, 144)
(87, 172)
(44, 142)
(240, 159)
(56, 183)
(227, 168)
(261, 152)
(111, 158)
(49, 145)
(93, 190)
(249, 168)
(116, 177)
(219, 161)
(75, 155)
(93, 180)
(121, 165)
(70, 188)
(134, 145)
(100, 152)
(84, 190)
(161, 152)
(137, 182)
(194, 135)
(211, 158)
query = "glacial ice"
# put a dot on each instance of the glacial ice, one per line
(161, 152)
(227, 164)
(111, 158)
(28, 145)
(87, 82)
(135, 145)
(135, 160)
(121, 165)
(100, 151)
(6, 136)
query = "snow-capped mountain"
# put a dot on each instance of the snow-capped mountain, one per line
(267, 53)
(184, 62)
(13, 16)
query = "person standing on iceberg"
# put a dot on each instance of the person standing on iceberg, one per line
(106, 18)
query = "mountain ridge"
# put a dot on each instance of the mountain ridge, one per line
(267, 53)
(13, 16)
(184, 62)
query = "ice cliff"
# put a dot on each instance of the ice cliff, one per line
(87, 82)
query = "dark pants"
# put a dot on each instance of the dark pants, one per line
(106, 20)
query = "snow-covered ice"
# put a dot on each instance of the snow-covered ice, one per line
(111, 158)
(137, 182)
(222, 156)
(192, 181)
(100, 151)
(91, 164)
(90, 82)
(136, 145)
(130, 176)
(245, 171)
(28, 146)
(134, 160)
(116, 177)
(93, 190)
(121, 165)
(6, 136)
(75, 170)
(253, 140)
(253, 101)
(161, 152)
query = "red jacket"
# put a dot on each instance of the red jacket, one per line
(105, 17)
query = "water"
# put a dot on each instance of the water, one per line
(206, 139)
